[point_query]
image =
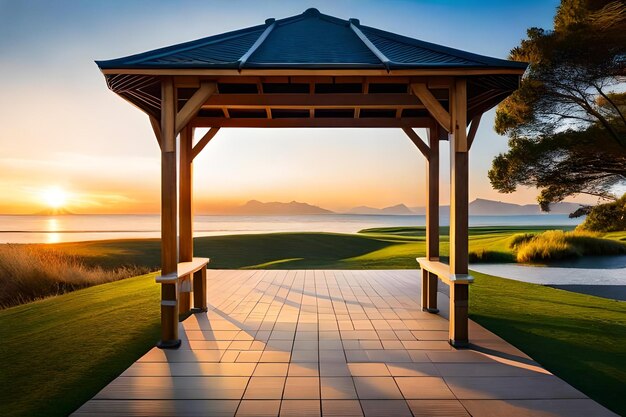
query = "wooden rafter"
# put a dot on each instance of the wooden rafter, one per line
(328, 122)
(191, 107)
(156, 128)
(472, 130)
(203, 142)
(432, 104)
(418, 141)
(309, 101)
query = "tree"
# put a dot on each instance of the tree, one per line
(566, 123)
(609, 217)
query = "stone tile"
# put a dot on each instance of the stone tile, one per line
(300, 408)
(264, 388)
(304, 369)
(304, 356)
(438, 408)
(536, 408)
(159, 408)
(279, 318)
(338, 388)
(258, 408)
(368, 369)
(332, 356)
(275, 356)
(216, 387)
(412, 369)
(341, 408)
(249, 356)
(271, 369)
(385, 408)
(424, 387)
(334, 369)
(485, 369)
(538, 387)
(302, 388)
(376, 388)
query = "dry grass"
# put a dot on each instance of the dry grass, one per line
(555, 245)
(31, 272)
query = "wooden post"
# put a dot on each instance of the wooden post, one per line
(199, 291)
(430, 280)
(169, 249)
(459, 293)
(185, 209)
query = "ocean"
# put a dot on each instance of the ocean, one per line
(76, 228)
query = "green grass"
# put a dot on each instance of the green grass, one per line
(57, 353)
(578, 337)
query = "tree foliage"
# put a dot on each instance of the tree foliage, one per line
(566, 123)
(608, 217)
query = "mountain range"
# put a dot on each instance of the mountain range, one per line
(478, 207)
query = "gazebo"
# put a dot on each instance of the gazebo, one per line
(306, 71)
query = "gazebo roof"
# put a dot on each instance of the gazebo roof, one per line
(311, 40)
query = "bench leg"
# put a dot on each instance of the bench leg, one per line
(199, 291)
(169, 317)
(429, 292)
(459, 306)
(184, 302)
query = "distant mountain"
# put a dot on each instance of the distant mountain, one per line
(53, 212)
(363, 210)
(484, 207)
(398, 209)
(254, 207)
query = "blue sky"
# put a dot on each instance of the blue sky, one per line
(59, 125)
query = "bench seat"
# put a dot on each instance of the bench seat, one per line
(443, 272)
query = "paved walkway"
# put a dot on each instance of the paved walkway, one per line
(332, 343)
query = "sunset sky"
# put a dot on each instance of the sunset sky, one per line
(61, 127)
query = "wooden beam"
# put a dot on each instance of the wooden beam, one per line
(313, 101)
(472, 130)
(459, 195)
(288, 72)
(313, 122)
(432, 104)
(185, 195)
(458, 104)
(185, 210)
(203, 142)
(430, 281)
(424, 149)
(169, 247)
(191, 107)
(156, 128)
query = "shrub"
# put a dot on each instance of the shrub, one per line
(486, 256)
(30, 272)
(555, 245)
(520, 238)
(609, 217)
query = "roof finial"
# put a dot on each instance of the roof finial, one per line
(312, 11)
(270, 21)
(354, 21)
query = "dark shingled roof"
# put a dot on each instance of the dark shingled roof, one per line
(309, 40)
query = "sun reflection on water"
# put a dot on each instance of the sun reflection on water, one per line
(52, 229)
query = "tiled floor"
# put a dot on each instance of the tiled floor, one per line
(337, 343)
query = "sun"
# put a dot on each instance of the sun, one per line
(54, 197)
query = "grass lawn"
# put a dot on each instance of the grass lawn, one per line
(57, 353)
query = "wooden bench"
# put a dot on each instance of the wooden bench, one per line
(184, 282)
(443, 272)
(459, 295)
